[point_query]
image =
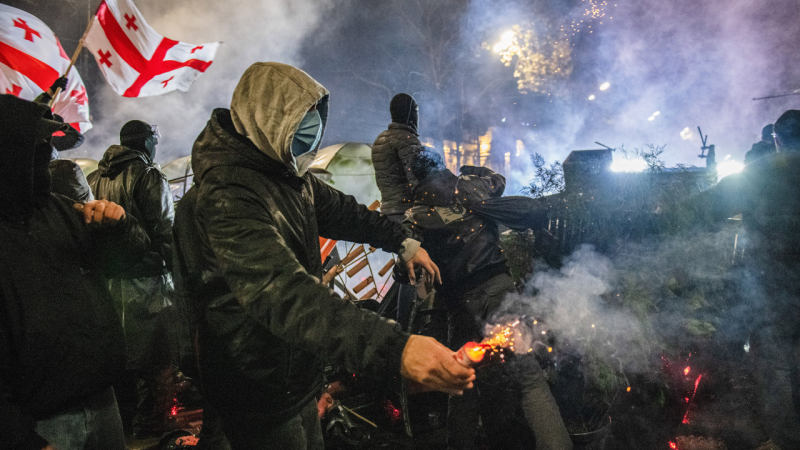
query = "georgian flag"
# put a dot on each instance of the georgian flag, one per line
(136, 60)
(31, 59)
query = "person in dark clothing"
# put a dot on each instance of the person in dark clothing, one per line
(762, 148)
(61, 343)
(767, 194)
(392, 154)
(266, 322)
(66, 177)
(457, 219)
(128, 175)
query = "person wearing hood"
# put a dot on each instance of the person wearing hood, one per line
(392, 154)
(764, 147)
(251, 249)
(61, 342)
(128, 175)
(457, 218)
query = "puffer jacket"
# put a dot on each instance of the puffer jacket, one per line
(392, 155)
(127, 177)
(267, 322)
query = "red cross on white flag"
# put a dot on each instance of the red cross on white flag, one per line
(31, 58)
(136, 60)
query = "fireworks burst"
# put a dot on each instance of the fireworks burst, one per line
(595, 12)
(539, 61)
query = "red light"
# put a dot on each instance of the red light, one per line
(673, 445)
(686, 370)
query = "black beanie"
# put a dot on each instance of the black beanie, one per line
(135, 130)
(402, 108)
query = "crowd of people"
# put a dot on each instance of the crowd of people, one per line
(91, 269)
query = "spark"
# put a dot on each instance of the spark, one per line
(696, 383)
(686, 370)
(629, 388)
(591, 97)
(673, 445)
(605, 86)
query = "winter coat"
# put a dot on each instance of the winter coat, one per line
(67, 179)
(392, 155)
(759, 150)
(456, 219)
(767, 194)
(266, 321)
(60, 338)
(127, 177)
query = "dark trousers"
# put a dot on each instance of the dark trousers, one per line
(775, 294)
(248, 431)
(513, 400)
(93, 424)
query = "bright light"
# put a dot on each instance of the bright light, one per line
(728, 167)
(687, 134)
(656, 113)
(605, 86)
(506, 40)
(591, 97)
(651, 118)
(629, 165)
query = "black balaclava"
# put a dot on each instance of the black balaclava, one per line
(138, 135)
(404, 109)
(25, 149)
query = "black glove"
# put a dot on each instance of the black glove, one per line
(59, 83)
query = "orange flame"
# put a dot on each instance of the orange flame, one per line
(475, 354)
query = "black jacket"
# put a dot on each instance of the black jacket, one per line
(67, 179)
(767, 194)
(266, 320)
(127, 177)
(60, 338)
(457, 220)
(392, 155)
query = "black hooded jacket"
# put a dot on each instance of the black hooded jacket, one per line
(60, 338)
(457, 220)
(392, 155)
(127, 177)
(252, 252)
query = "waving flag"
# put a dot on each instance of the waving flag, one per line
(136, 60)
(31, 58)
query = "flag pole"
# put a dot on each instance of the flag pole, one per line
(76, 53)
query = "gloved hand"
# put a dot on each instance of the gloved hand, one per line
(60, 82)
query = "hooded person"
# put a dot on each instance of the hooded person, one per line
(128, 175)
(457, 218)
(250, 246)
(767, 195)
(762, 148)
(66, 177)
(61, 344)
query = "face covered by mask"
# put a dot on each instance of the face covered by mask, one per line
(150, 145)
(306, 139)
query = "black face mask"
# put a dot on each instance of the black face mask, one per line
(150, 147)
(413, 118)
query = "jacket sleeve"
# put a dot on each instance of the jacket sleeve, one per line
(274, 289)
(119, 245)
(17, 429)
(515, 212)
(154, 200)
(341, 217)
(408, 153)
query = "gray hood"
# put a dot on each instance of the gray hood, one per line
(268, 104)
